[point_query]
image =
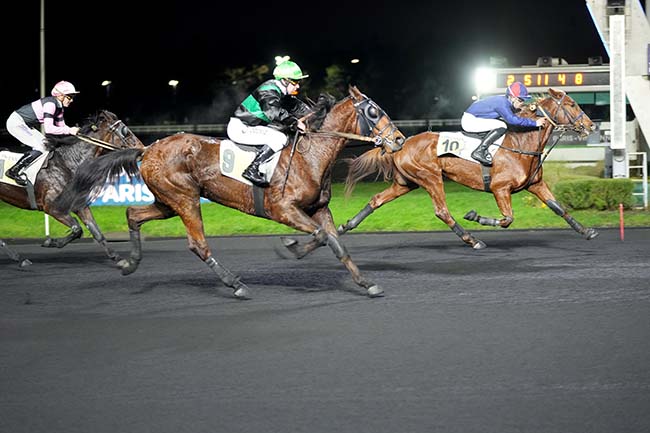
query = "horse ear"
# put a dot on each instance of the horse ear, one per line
(354, 92)
(555, 93)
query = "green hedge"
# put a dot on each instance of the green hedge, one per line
(598, 194)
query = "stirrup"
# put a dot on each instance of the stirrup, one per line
(255, 177)
(484, 158)
(19, 178)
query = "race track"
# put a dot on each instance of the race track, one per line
(540, 332)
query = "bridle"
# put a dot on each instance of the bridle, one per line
(117, 128)
(369, 115)
(579, 128)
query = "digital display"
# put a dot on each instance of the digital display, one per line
(554, 79)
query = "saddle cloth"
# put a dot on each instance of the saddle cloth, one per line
(8, 159)
(235, 157)
(462, 145)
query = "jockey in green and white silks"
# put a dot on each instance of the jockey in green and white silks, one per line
(263, 116)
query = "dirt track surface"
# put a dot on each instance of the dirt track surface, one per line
(540, 332)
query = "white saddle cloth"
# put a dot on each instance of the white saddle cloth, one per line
(234, 159)
(8, 159)
(461, 145)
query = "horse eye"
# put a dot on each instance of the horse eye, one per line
(124, 131)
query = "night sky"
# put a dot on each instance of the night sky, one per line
(417, 57)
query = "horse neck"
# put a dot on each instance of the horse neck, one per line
(75, 154)
(326, 149)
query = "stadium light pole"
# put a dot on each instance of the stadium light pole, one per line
(42, 87)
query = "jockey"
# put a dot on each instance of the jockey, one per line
(493, 114)
(264, 114)
(23, 124)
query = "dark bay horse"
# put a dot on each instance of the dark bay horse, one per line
(57, 172)
(517, 166)
(182, 168)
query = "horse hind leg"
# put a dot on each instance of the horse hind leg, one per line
(75, 231)
(190, 213)
(13, 255)
(136, 216)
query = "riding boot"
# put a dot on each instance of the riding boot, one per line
(252, 172)
(481, 153)
(15, 173)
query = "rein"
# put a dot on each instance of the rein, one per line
(97, 142)
(376, 140)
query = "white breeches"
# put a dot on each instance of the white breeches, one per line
(256, 135)
(471, 123)
(26, 135)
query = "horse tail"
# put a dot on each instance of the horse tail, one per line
(91, 176)
(370, 162)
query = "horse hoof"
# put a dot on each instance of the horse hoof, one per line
(342, 229)
(375, 291)
(471, 216)
(479, 245)
(24, 263)
(242, 293)
(590, 234)
(128, 266)
(47, 243)
(288, 242)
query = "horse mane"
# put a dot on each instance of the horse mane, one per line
(320, 110)
(366, 164)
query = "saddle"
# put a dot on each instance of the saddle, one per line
(8, 159)
(462, 144)
(235, 157)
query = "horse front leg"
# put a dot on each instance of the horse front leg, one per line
(378, 200)
(13, 255)
(543, 192)
(88, 219)
(322, 228)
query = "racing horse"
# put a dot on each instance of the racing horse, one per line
(517, 166)
(68, 154)
(182, 168)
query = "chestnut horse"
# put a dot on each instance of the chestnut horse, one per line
(56, 173)
(182, 168)
(517, 166)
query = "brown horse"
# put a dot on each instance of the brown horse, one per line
(63, 161)
(182, 168)
(517, 166)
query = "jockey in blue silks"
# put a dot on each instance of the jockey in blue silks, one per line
(494, 114)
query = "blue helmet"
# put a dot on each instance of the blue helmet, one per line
(517, 90)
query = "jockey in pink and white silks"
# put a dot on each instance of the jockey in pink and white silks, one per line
(24, 125)
(494, 114)
(263, 116)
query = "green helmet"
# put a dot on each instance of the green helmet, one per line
(290, 70)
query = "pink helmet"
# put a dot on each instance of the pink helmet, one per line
(63, 88)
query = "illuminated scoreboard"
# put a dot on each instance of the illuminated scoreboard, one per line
(574, 78)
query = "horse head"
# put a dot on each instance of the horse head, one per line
(371, 119)
(561, 110)
(107, 127)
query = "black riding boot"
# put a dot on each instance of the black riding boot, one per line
(481, 153)
(15, 172)
(252, 172)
